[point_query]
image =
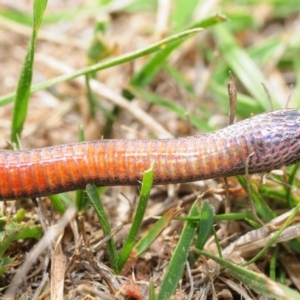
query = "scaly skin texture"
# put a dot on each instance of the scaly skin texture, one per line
(273, 137)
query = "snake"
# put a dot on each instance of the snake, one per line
(270, 140)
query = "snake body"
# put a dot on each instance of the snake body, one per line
(272, 138)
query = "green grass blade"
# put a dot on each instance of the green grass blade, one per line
(81, 199)
(296, 95)
(39, 7)
(58, 201)
(145, 75)
(205, 221)
(16, 231)
(266, 49)
(292, 178)
(243, 67)
(263, 210)
(165, 43)
(286, 223)
(138, 218)
(23, 89)
(16, 16)
(151, 291)
(273, 262)
(150, 236)
(103, 219)
(6, 263)
(181, 12)
(258, 282)
(221, 217)
(180, 111)
(212, 21)
(179, 78)
(151, 67)
(179, 258)
(232, 216)
(91, 97)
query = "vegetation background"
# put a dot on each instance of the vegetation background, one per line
(143, 69)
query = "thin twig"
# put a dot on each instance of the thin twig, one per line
(248, 176)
